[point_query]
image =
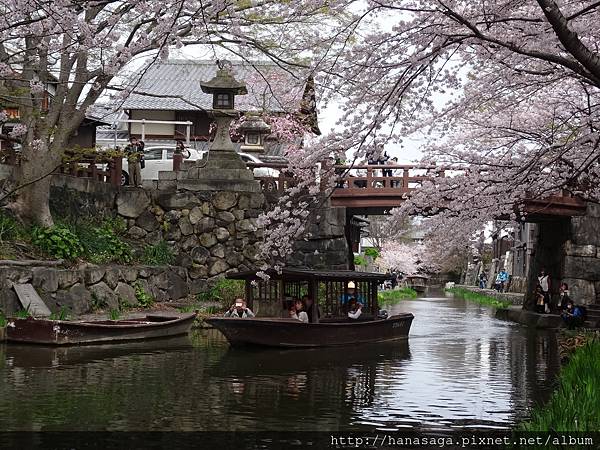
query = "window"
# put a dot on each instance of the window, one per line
(154, 153)
(223, 101)
(13, 113)
(252, 138)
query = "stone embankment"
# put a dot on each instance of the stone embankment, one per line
(516, 313)
(85, 288)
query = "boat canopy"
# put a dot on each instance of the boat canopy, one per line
(326, 287)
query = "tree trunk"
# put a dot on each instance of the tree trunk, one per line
(32, 202)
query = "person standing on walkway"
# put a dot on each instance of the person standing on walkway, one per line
(135, 154)
(503, 278)
(482, 280)
(564, 296)
(545, 284)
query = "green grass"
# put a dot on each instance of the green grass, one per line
(3, 320)
(114, 314)
(63, 314)
(159, 254)
(479, 298)
(23, 314)
(574, 405)
(395, 295)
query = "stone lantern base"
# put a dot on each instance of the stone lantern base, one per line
(221, 171)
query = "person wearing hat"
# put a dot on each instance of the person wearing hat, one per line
(350, 294)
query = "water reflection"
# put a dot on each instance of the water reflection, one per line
(461, 367)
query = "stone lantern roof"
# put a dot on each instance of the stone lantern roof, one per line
(254, 123)
(224, 81)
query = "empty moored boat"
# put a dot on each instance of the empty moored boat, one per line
(61, 332)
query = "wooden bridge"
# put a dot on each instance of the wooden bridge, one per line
(376, 189)
(363, 189)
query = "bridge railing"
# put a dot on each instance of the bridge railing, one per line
(99, 168)
(380, 179)
(358, 179)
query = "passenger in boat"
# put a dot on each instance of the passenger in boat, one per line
(239, 310)
(298, 310)
(308, 306)
(355, 309)
(351, 293)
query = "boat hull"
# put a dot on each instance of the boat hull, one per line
(58, 332)
(294, 334)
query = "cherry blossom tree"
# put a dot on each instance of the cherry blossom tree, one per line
(506, 90)
(409, 258)
(75, 51)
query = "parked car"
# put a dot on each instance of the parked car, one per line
(158, 159)
(262, 171)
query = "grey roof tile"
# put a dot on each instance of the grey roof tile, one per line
(175, 85)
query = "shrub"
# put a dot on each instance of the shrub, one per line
(3, 320)
(395, 295)
(102, 242)
(114, 314)
(103, 246)
(372, 252)
(57, 241)
(360, 261)
(144, 299)
(8, 228)
(158, 254)
(224, 291)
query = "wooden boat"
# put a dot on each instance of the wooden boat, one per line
(60, 332)
(417, 282)
(330, 287)
(275, 332)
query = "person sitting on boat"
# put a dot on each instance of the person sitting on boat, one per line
(297, 313)
(355, 309)
(239, 310)
(351, 293)
(308, 306)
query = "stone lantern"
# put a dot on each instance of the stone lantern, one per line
(223, 87)
(254, 130)
(222, 169)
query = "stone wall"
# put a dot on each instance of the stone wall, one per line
(82, 288)
(210, 232)
(581, 263)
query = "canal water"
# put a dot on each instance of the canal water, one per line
(461, 368)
